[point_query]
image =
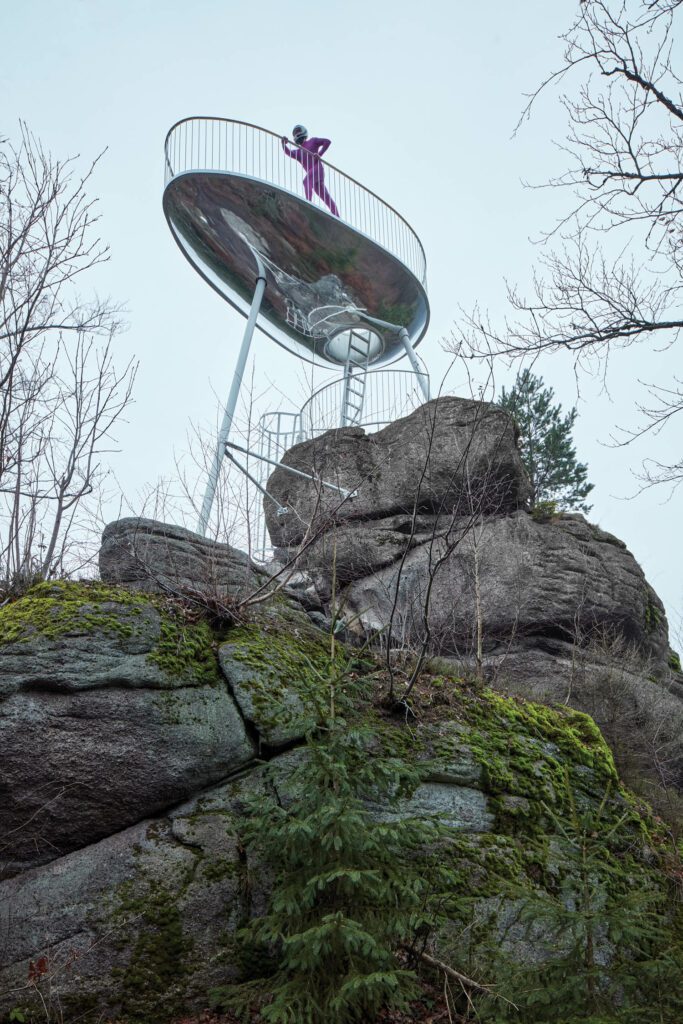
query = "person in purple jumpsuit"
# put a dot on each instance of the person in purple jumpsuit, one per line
(308, 153)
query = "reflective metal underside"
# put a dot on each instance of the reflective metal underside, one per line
(316, 265)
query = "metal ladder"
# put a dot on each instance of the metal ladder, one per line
(354, 379)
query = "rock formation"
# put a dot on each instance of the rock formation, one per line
(146, 555)
(437, 553)
(142, 714)
(122, 707)
(559, 578)
(137, 895)
(450, 453)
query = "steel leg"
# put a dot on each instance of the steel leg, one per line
(231, 404)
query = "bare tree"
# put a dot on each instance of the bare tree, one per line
(60, 392)
(611, 275)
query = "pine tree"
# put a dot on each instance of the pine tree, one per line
(546, 445)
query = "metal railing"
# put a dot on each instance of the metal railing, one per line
(389, 394)
(276, 432)
(219, 144)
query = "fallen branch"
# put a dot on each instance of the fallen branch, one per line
(452, 973)
(466, 982)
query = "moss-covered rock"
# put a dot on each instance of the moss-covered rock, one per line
(535, 833)
(145, 919)
(103, 634)
(112, 708)
(279, 674)
(544, 871)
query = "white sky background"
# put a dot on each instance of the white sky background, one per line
(420, 101)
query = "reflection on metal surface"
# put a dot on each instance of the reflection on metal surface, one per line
(219, 144)
(320, 271)
(340, 347)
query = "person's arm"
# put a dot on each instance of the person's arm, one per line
(321, 145)
(285, 146)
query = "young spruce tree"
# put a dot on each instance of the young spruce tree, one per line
(611, 952)
(546, 445)
(348, 888)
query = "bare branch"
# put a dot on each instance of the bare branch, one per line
(60, 394)
(624, 153)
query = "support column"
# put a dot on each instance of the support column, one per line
(415, 363)
(231, 404)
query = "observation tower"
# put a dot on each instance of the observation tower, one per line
(344, 292)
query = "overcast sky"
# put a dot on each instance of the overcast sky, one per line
(420, 101)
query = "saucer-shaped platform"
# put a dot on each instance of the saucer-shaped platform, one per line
(319, 269)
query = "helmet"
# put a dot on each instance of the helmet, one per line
(299, 133)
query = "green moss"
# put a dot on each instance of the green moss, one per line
(653, 616)
(58, 607)
(152, 983)
(523, 750)
(574, 734)
(186, 649)
(76, 608)
(279, 663)
(481, 865)
(410, 745)
(540, 767)
(674, 661)
(218, 868)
